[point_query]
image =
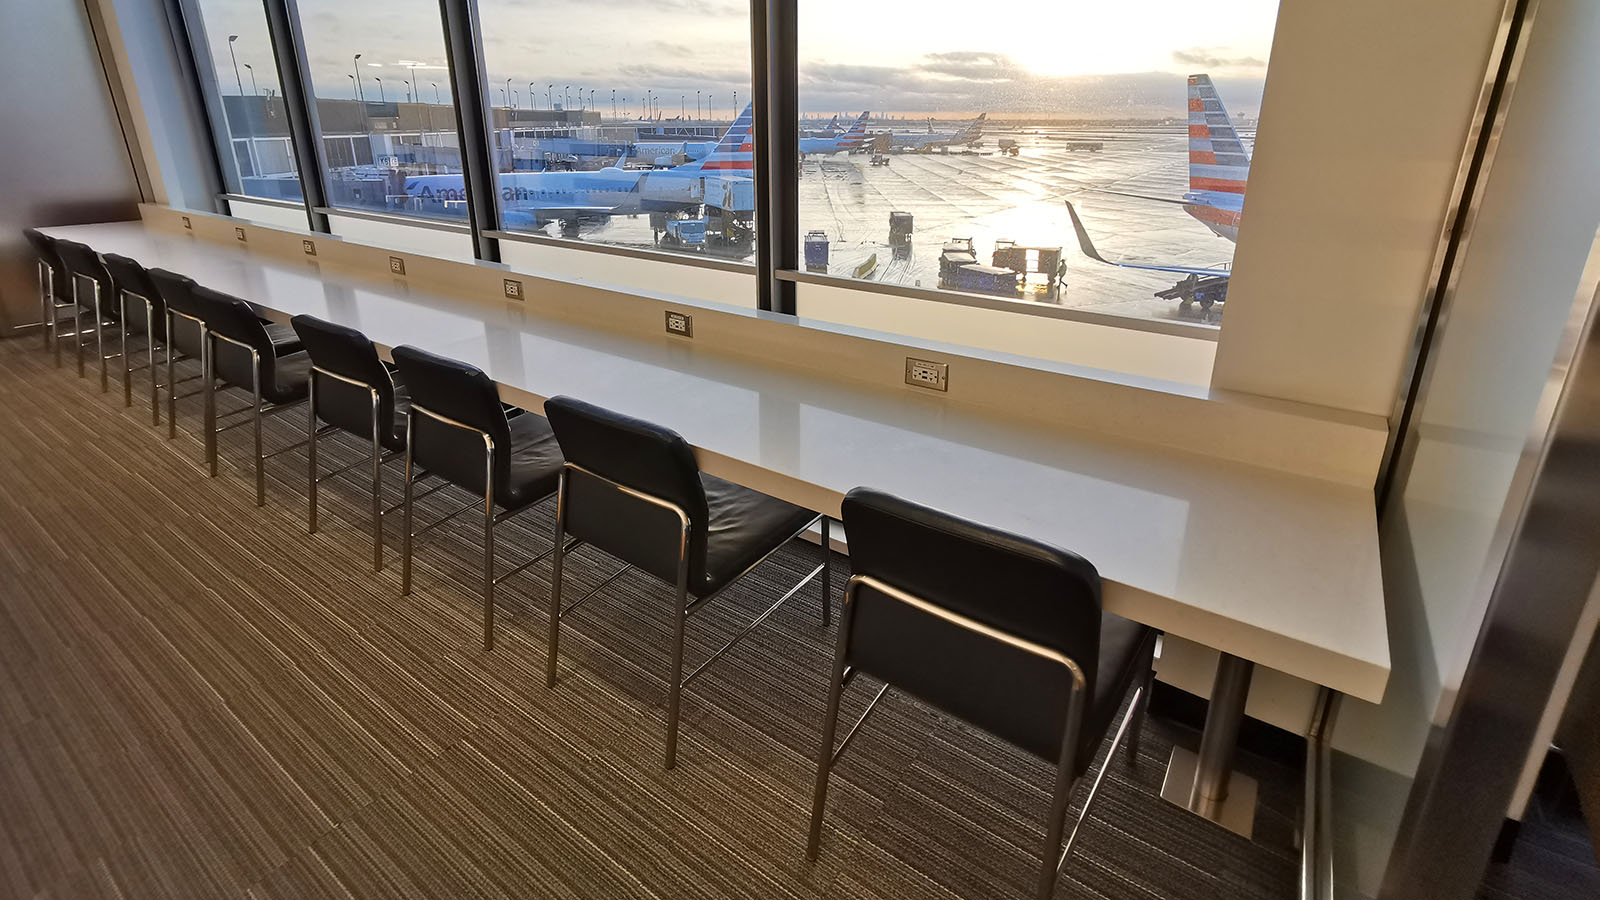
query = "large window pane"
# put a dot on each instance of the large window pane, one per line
(383, 101)
(980, 128)
(607, 118)
(232, 36)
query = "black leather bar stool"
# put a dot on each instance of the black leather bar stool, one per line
(53, 292)
(83, 266)
(460, 431)
(133, 284)
(633, 489)
(351, 389)
(185, 329)
(997, 629)
(241, 352)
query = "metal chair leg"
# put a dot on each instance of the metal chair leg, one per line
(77, 323)
(405, 516)
(377, 489)
(261, 461)
(557, 559)
(46, 300)
(172, 385)
(208, 376)
(100, 340)
(830, 724)
(680, 613)
(150, 359)
(488, 544)
(127, 363)
(311, 452)
(1147, 684)
(827, 576)
(1061, 796)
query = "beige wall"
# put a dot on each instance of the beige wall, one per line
(1362, 127)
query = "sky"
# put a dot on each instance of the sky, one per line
(1066, 58)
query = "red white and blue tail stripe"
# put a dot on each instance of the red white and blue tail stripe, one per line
(1217, 159)
(736, 151)
(857, 134)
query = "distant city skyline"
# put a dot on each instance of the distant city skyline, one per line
(1068, 58)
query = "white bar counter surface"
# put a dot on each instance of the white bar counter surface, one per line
(1276, 568)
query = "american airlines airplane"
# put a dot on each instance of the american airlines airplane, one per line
(573, 196)
(1219, 166)
(850, 140)
(968, 134)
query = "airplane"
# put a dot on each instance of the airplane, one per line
(968, 134)
(829, 130)
(850, 140)
(1219, 167)
(541, 197)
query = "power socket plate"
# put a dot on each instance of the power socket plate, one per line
(680, 324)
(310, 247)
(513, 289)
(187, 225)
(397, 265)
(924, 373)
(239, 233)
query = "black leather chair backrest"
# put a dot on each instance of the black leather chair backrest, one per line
(81, 262)
(640, 455)
(230, 317)
(465, 394)
(177, 294)
(44, 247)
(128, 275)
(1009, 583)
(347, 352)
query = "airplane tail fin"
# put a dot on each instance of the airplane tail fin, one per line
(976, 125)
(1217, 158)
(857, 133)
(735, 152)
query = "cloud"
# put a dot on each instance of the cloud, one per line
(1212, 58)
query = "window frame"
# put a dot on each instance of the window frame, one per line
(775, 132)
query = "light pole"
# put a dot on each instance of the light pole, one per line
(381, 97)
(407, 83)
(254, 91)
(356, 64)
(435, 92)
(591, 98)
(548, 99)
(697, 106)
(613, 103)
(566, 97)
(735, 112)
(711, 105)
(250, 141)
(683, 106)
(508, 93)
(533, 98)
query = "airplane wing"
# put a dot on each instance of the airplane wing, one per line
(1087, 246)
(1138, 196)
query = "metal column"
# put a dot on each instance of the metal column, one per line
(1204, 782)
(288, 49)
(775, 73)
(464, 55)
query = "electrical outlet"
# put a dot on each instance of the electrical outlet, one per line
(310, 247)
(397, 265)
(681, 324)
(513, 289)
(239, 233)
(935, 376)
(187, 225)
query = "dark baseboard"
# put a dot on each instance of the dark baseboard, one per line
(1255, 736)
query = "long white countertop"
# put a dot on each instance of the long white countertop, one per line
(1277, 568)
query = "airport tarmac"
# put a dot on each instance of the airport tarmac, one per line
(987, 196)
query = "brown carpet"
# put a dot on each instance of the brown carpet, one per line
(199, 699)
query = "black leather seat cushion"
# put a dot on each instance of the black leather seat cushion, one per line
(289, 385)
(282, 337)
(1120, 663)
(535, 462)
(742, 527)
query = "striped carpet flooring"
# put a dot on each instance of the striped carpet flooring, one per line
(199, 699)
